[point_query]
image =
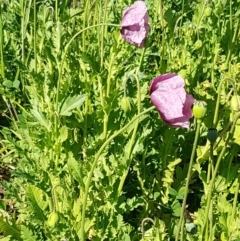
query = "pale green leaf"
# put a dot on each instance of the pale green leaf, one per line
(8, 238)
(58, 36)
(70, 103)
(63, 134)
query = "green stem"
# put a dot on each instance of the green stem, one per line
(85, 76)
(103, 31)
(1, 44)
(86, 14)
(183, 3)
(215, 57)
(142, 225)
(56, 10)
(180, 225)
(22, 32)
(120, 187)
(74, 5)
(35, 35)
(233, 152)
(210, 164)
(54, 198)
(88, 181)
(235, 200)
(201, 14)
(168, 146)
(161, 13)
(209, 195)
(230, 33)
(106, 115)
(215, 119)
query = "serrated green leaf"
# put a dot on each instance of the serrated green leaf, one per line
(41, 119)
(75, 170)
(9, 229)
(70, 103)
(35, 196)
(27, 235)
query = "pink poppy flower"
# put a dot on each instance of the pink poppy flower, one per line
(134, 24)
(170, 98)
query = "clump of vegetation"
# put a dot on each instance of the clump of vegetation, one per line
(89, 151)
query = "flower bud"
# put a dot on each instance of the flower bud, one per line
(235, 103)
(199, 109)
(212, 135)
(52, 219)
(208, 11)
(126, 104)
(198, 44)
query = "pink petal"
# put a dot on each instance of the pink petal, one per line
(187, 110)
(169, 81)
(170, 98)
(134, 24)
(134, 14)
(169, 103)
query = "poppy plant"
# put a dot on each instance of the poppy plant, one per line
(134, 24)
(170, 98)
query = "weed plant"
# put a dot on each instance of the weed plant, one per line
(87, 154)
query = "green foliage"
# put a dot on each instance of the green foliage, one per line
(64, 84)
(9, 229)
